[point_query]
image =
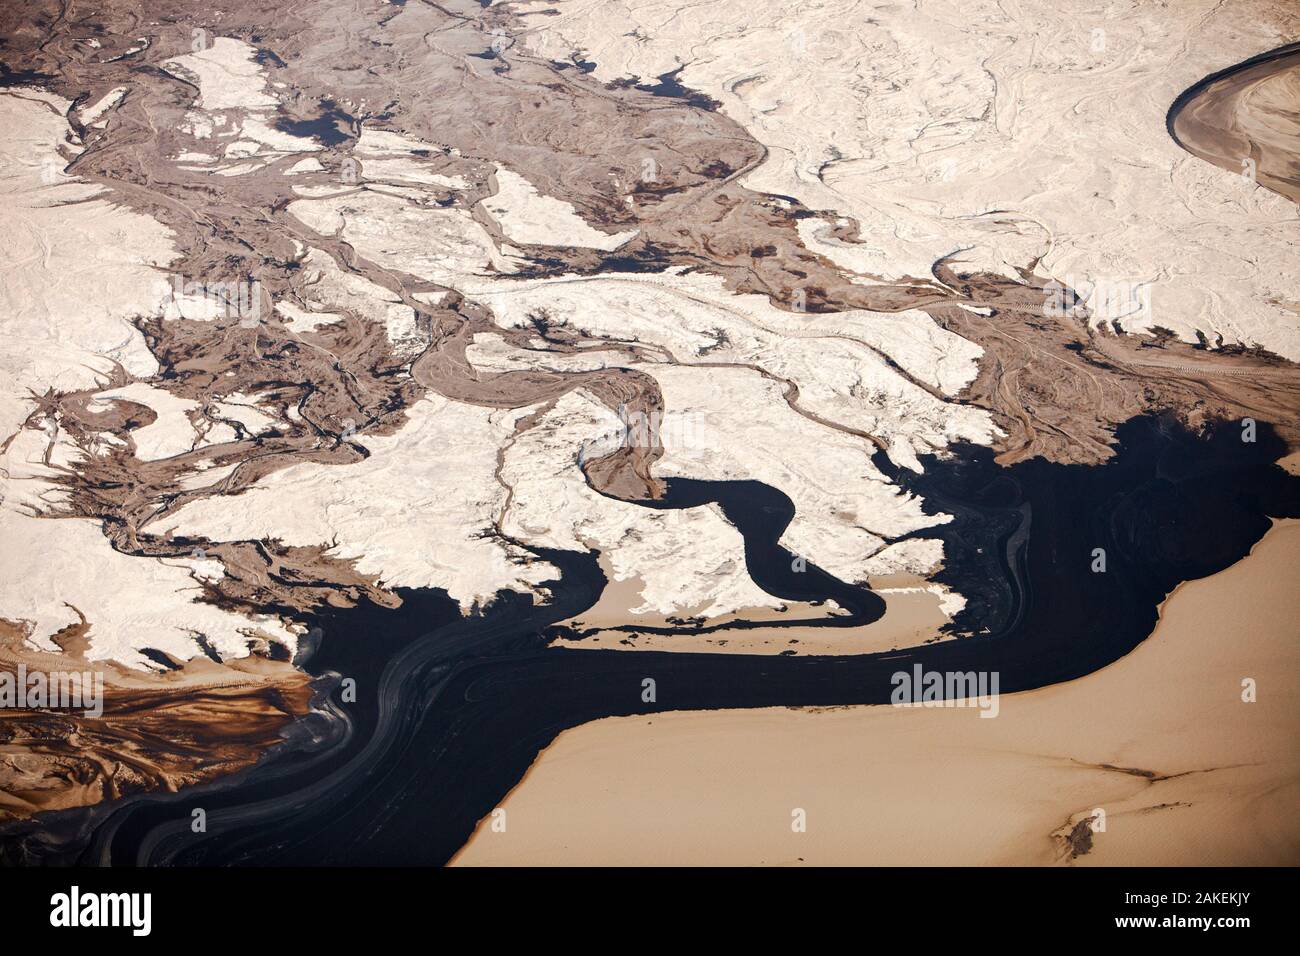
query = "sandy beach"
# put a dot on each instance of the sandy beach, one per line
(1162, 741)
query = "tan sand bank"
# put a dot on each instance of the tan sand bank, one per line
(1245, 120)
(1185, 770)
(913, 615)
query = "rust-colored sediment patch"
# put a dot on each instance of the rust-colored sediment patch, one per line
(157, 732)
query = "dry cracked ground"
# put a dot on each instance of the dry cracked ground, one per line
(305, 303)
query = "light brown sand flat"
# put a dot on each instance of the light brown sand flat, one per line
(1186, 772)
(913, 615)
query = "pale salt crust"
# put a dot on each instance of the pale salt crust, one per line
(835, 359)
(996, 135)
(244, 409)
(410, 171)
(54, 568)
(171, 433)
(838, 361)
(383, 142)
(130, 602)
(235, 108)
(70, 285)
(199, 303)
(300, 320)
(414, 529)
(721, 585)
(528, 217)
(732, 424)
(329, 287)
(725, 424)
(412, 513)
(93, 115)
(915, 556)
(441, 245)
(207, 477)
(70, 282)
(386, 155)
(690, 559)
